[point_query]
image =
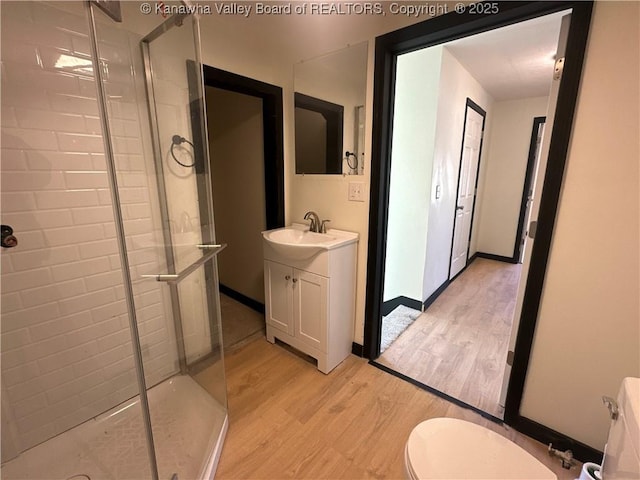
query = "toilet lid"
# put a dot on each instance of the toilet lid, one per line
(448, 448)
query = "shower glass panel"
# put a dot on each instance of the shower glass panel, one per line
(106, 371)
(155, 106)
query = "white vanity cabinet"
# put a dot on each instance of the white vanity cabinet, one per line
(310, 303)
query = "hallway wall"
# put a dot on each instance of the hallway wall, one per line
(237, 171)
(505, 167)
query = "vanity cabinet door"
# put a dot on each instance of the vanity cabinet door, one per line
(278, 280)
(310, 303)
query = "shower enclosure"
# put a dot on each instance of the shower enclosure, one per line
(112, 361)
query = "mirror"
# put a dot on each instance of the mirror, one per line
(330, 94)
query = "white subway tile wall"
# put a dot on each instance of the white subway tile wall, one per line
(66, 345)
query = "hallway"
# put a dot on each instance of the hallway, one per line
(459, 344)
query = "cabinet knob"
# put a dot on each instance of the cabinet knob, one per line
(295, 280)
(287, 277)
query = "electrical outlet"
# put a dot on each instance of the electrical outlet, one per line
(356, 191)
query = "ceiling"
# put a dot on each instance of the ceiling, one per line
(514, 61)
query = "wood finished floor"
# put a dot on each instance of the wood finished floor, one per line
(459, 344)
(239, 322)
(289, 421)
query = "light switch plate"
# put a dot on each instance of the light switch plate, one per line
(356, 191)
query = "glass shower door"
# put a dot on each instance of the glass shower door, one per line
(151, 77)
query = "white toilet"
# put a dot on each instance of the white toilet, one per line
(622, 452)
(448, 448)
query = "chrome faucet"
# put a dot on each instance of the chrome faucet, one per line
(314, 225)
(323, 226)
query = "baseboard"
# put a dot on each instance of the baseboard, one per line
(390, 305)
(491, 256)
(546, 435)
(357, 349)
(249, 302)
(434, 295)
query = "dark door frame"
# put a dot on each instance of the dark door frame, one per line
(273, 145)
(528, 180)
(470, 104)
(439, 30)
(272, 115)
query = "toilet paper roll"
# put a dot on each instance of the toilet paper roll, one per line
(590, 471)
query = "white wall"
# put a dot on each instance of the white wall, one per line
(505, 167)
(456, 85)
(237, 172)
(414, 131)
(588, 333)
(66, 344)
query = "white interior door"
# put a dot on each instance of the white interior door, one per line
(527, 213)
(535, 204)
(470, 158)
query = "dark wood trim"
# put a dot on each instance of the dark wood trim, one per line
(498, 258)
(390, 305)
(334, 116)
(528, 180)
(432, 298)
(273, 136)
(470, 104)
(559, 144)
(243, 299)
(546, 435)
(432, 390)
(357, 349)
(432, 32)
(383, 91)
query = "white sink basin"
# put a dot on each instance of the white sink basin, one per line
(296, 242)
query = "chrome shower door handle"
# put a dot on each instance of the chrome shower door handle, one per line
(211, 251)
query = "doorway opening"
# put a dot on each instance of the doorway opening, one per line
(467, 176)
(244, 119)
(390, 50)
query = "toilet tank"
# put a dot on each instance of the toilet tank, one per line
(621, 456)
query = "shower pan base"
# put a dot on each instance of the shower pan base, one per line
(112, 445)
